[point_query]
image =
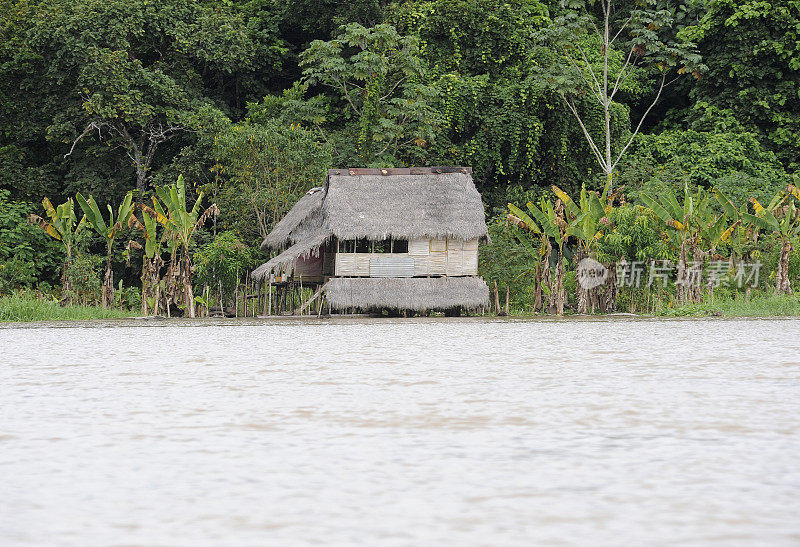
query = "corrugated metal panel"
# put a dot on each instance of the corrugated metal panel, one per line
(438, 245)
(421, 265)
(471, 262)
(419, 247)
(437, 264)
(391, 266)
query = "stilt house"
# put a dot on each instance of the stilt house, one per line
(402, 239)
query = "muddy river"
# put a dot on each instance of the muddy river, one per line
(401, 432)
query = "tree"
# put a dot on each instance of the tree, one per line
(108, 231)
(266, 167)
(495, 114)
(152, 261)
(114, 84)
(683, 221)
(601, 45)
(752, 50)
(64, 227)
(587, 220)
(378, 75)
(782, 217)
(548, 222)
(181, 223)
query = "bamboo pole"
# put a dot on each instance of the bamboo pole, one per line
(300, 297)
(246, 286)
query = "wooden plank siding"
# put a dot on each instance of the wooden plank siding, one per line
(435, 257)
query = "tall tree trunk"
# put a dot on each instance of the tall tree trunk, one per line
(546, 278)
(783, 284)
(186, 279)
(696, 288)
(537, 287)
(66, 283)
(609, 298)
(680, 285)
(560, 295)
(145, 279)
(108, 283)
(582, 294)
(141, 182)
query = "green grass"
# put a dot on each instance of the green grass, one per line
(22, 307)
(759, 305)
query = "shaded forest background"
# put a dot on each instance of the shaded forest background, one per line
(251, 101)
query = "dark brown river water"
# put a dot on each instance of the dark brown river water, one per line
(401, 432)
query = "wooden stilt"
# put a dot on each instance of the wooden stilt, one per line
(246, 287)
(236, 300)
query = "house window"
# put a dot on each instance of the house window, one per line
(363, 245)
(399, 245)
(367, 246)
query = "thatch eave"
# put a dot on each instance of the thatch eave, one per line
(289, 230)
(306, 247)
(416, 293)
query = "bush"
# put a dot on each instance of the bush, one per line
(26, 242)
(222, 260)
(16, 274)
(508, 263)
(127, 297)
(84, 278)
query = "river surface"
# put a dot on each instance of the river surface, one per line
(401, 432)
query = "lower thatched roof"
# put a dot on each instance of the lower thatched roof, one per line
(311, 243)
(437, 293)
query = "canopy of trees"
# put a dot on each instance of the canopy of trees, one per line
(250, 100)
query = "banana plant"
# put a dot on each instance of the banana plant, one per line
(741, 234)
(180, 223)
(547, 222)
(781, 217)
(63, 226)
(586, 218)
(109, 231)
(684, 222)
(151, 259)
(586, 221)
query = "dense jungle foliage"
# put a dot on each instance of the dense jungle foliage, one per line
(250, 101)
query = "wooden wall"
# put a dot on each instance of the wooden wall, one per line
(434, 257)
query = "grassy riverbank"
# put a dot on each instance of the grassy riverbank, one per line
(22, 307)
(759, 305)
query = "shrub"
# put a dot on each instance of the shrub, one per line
(221, 260)
(84, 278)
(16, 274)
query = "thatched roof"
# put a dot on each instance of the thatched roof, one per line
(304, 211)
(420, 293)
(404, 206)
(305, 247)
(407, 203)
